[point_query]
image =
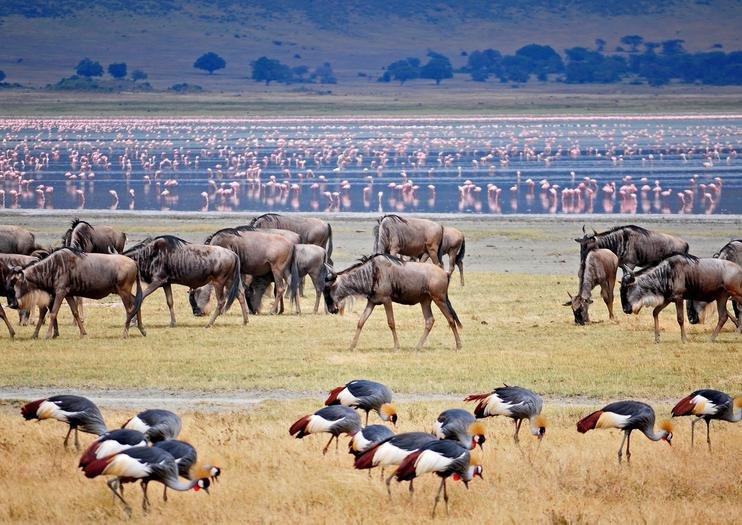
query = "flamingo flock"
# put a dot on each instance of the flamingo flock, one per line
(568, 166)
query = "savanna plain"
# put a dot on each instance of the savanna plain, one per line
(239, 388)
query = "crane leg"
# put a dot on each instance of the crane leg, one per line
(145, 498)
(388, 482)
(164, 494)
(445, 495)
(113, 485)
(708, 433)
(438, 495)
(411, 488)
(324, 450)
(366, 418)
(77, 441)
(67, 437)
(628, 445)
(620, 449)
(693, 429)
(517, 430)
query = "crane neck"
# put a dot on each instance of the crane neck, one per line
(655, 436)
(535, 430)
(178, 484)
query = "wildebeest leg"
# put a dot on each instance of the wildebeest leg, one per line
(656, 315)
(74, 305)
(390, 322)
(606, 293)
(443, 307)
(221, 301)
(681, 318)
(429, 320)
(42, 315)
(169, 300)
(11, 332)
(80, 311)
(243, 303)
(460, 264)
(318, 292)
(280, 288)
(432, 250)
(721, 306)
(58, 298)
(364, 317)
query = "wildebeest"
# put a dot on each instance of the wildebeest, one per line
(311, 230)
(68, 273)
(7, 262)
(384, 279)
(14, 239)
(167, 260)
(260, 253)
(731, 251)
(82, 236)
(311, 260)
(600, 269)
(633, 245)
(682, 277)
(453, 244)
(409, 236)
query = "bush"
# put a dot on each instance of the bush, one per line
(185, 87)
(87, 68)
(117, 70)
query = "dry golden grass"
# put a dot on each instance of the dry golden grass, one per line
(269, 477)
(514, 331)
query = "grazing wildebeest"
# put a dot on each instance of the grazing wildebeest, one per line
(7, 262)
(310, 229)
(453, 244)
(14, 239)
(259, 253)
(682, 277)
(167, 260)
(68, 273)
(311, 260)
(384, 279)
(731, 251)
(600, 269)
(99, 239)
(408, 236)
(633, 245)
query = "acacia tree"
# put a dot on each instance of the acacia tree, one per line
(117, 70)
(88, 68)
(138, 74)
(268, 70)
(209, 62)
(437, 68)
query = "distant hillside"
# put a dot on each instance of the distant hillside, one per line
(43, 40)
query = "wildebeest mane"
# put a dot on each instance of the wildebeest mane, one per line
(84, 236)
(392, 216)
(686, 257)
(171, 241)
(267, 217)
(223, 231)
(367, 258)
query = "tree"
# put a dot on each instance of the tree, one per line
(87, 68)
(268, 70)
(632, 40)
(481, 64)
(138, 74)
(2, 75)
(209, 62)
(673, 47)
(325, 74)
(650, 47)
(437, 68)
(117, 70)
(403, 70)
(299, 73)
(516, 68)
(544, 59)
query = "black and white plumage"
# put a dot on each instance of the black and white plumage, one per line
(144, 464)
(156, 424)
(367, 437)
(445, 458)
(112, 442)
(627, 416)
(333, 419)
(515, 402)
(706, 405)
(392, 451)
(78, 412)
(366, 395)
(459, 425)
(186, 458)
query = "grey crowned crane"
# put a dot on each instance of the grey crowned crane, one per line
(144, 464)
(156, 424)
(367, 437)
(445, 458)
(461, 426)
(516, 403)
(391, 452)
(366, 395)
(707, 405)
(627, 416)
(334, 420)
(112, 442)
(186, 458)
(78, 412)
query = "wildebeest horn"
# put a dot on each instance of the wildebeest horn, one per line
(331, 275)
(627, 274)
(570, 295)
(583, 229)
(595, 232)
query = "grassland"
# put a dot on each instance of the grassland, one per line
(514, 331)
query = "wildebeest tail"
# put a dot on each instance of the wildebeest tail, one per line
(376, 238)
(453, 312)
(138, 298)
(236, 284)
(329, 241)
(440, 248)
(294, 284)
(462, 251)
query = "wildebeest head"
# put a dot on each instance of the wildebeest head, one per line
(579, 308)
(634, 296)
(330, 291)
(200, 300)
(21, 295)
(587, 243)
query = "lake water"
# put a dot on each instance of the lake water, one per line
(489, 166)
